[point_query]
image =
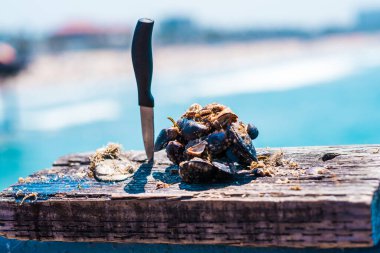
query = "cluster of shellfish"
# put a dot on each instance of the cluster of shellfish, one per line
(208, 143)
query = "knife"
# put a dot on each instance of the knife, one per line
(143, 66)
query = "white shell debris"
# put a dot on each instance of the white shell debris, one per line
(113, 170)
(108, 164)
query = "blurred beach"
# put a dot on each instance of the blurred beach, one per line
(252, 66)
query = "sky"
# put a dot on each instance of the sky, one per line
(45, 15)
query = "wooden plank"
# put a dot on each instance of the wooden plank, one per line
(326, 204)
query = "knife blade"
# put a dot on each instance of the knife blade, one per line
(142, 60)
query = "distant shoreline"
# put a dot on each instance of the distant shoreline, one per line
(185, 60)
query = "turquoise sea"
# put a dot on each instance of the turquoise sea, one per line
(341, 111)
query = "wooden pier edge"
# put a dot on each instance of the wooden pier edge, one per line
(375, 217)
(329, 200)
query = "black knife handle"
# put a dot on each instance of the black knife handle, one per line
(143, 61)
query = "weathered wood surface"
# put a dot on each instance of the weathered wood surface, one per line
(331, 203)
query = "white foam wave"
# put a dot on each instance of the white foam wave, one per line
(71, 115)
(296, 72)
(276, 77)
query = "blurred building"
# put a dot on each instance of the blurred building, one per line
(15, 54)
(86, 35)
(178, 30)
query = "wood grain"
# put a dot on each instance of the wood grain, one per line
(325, 204)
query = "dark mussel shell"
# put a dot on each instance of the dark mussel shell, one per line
(193, 142)
(241, 146)
(252, 131)
(174, 151)
(163, 138)
(217, 143)
(191, 130)
(198, 170)
(225, 170)
(230, 156)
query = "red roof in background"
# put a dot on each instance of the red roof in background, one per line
(88, 28)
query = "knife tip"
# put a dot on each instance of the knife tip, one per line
(146, 20)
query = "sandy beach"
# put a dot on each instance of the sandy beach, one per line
(176, 62)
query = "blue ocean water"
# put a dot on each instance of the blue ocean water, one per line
(343, 111)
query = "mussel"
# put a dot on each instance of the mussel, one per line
(207, 142)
